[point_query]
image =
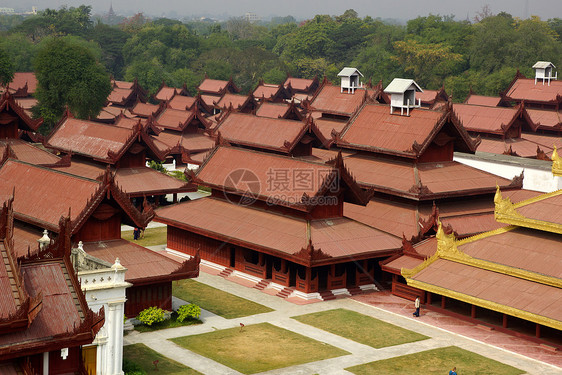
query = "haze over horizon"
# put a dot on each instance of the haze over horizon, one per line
(403, 10)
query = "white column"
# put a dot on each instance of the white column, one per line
(46, 363)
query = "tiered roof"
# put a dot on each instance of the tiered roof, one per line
(217, 87)
(536, 93)
(490, 120)
(329, 99)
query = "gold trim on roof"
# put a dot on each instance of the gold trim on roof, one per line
(447, 249)
(506, 212)
(556, 163)
(539, 319)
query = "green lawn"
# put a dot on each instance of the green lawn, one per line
(143, 357)
(360, 328)
(438, 362)
(152, 236)
(257, 348)
(216, 301)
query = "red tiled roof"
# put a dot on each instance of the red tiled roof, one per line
(89, 138)
(25, 238)
(427, 96)
(526, 89)
(85, 169)
(57, 302)
(33, 184)
(468, 225)
(490, 101)
(23, 78)
(147, 181)
(338, 237)
(548, 209)
(141, 263)
(426, 247)
(263, 174)
(234, 100)
(331, 99)
(374, 127)
(261, 132)
(144, 109)
(398, 178)
(545, 141)
(513, 292)
(494, 120)
(27, 152)
(123, 84)
(404, 261)
(181, 102)
(165, 93)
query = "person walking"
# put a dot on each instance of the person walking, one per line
(453, 371)
(417, 306)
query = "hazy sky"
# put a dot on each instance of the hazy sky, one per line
(300, 9)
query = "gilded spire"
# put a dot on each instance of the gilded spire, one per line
(556, 163)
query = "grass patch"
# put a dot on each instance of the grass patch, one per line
(216, 301)
(437, 361)
(152, 236)
(142, 356)
(258, 347)
(360, 328)
(168, 323)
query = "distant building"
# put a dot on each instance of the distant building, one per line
(251, 17)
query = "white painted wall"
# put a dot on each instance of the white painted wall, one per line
(537, 173)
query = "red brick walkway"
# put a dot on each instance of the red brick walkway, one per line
(388, 302)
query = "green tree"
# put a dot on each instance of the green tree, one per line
(21, 50)
(69, 75)
(111, 40)
(6, 68)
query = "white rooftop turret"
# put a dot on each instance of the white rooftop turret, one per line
(403, 94)
(350, 79)
(45, 240)
(543, 70)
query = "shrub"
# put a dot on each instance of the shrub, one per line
(190, 311)
(132, 368)
(151, 315)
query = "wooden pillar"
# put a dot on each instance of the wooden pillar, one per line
(473, 311)
(537, 330)
(504, 322)
(175, 197)
(260, 259)
(443, 301)
(429, 298)
(283, 266)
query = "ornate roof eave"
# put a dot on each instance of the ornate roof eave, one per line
(7, 101)
(362, 196)
(556, 163)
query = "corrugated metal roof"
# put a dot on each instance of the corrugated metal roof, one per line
(21, 79)
(326, 126)
(212, 85)
(490, 101)
(518, 248)
(144, 180)
(84, 169)
(144, 109)
(547, 210)
(269, 176)
(8, 305)
(165, 93)
(118, 95)
(181, 102)
(49, 279)
(27, 152)
(400, 85)
(272, 110)
(520, 146)
(173, 119)
(140, 262)
(331, 99)
(404, 261)
(44, 194)
(545, 118)
(266, 91)
(339, 237)
(543, 65)
(526, 89)
(375, 127)
(261, 132)
(189, 141)
(89, 138)
(485, 119)
(299, 84)
(535, 298)
(348, 72)
(234, 100)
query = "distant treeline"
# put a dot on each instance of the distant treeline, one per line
(436, 50)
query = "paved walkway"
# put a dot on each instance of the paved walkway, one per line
(359, 353)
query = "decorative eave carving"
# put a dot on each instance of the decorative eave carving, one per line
(311, 254)
(556, 163)
(503, 208)
(190, 266)
(420, 189)
(517, 181)
(541, 155)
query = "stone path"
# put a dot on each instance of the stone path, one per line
(360, 353)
